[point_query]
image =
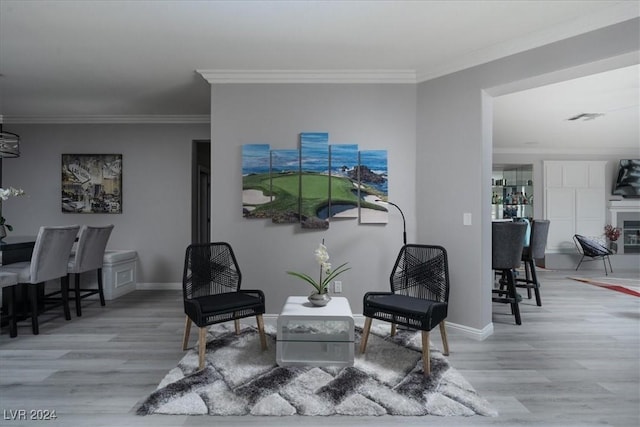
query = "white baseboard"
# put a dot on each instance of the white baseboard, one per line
(171, 286)
(271, 318)
(473, 333)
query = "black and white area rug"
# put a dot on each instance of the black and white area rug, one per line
(240, 379)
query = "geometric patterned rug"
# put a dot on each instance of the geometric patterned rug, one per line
(240, 379)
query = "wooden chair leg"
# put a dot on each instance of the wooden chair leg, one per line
(76, 279)
(527, 278)
(236, 324)
(64, 294)
(394, 329)
(101, 288)
(365, 334)
(187, 331)
(536, 284)
(426, 356)
(11, 308)
(202, 346)
(445, 342)
(263, 338)
(33, 295)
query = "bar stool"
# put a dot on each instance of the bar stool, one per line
(535, 250)
(506, 254)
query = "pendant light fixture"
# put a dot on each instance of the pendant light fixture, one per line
(9, 144)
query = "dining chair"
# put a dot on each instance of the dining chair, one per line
(9, 281)
(212, 294)
(48, 262)
(89, 256)
(532, 252)
(418, 299)
(506, 254)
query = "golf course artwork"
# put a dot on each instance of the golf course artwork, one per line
(314, 184)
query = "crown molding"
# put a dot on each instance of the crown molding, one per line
(619, 151)
(109, 119)
(309, 76)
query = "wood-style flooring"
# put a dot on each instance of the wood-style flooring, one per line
(575, 361)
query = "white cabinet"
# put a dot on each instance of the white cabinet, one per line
(574, 201)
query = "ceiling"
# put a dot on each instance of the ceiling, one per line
(94, 60)
(605, 108)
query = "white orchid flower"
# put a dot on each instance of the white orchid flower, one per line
(327, 267)
(322, 256)
(5, 193)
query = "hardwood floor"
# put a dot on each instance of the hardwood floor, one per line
(575, 361)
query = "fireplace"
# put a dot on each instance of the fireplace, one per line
(626, 215)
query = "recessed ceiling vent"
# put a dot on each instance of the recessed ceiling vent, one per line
(586, 116)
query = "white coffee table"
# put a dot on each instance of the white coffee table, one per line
(315, 336)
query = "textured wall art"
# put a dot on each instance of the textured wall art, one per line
(92, 183)
(314, 184)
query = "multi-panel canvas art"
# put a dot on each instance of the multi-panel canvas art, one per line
(317, 183)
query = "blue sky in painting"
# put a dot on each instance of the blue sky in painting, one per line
(255, 158)
(285, 161)
(343, 155)
(314, 147)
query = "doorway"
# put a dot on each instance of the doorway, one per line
(201, 192)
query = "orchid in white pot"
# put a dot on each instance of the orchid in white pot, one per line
(5, 193)
(321, 286)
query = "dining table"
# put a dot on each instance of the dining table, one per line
(15, 249)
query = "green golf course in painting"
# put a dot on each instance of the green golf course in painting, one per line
(284, 190)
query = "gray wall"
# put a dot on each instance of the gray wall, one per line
(372, 116)
(156, 218)
(454, 148)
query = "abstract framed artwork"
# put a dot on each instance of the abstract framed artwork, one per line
(92, 183)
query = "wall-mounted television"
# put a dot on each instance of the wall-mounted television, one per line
(628, 180)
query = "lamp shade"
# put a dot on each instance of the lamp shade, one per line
(9, 144)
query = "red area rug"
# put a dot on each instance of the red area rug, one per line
(626, 286)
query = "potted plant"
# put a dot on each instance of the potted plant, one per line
(5, 193)
(612, 233)
(320, 297)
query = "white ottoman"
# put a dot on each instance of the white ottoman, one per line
(119, 273)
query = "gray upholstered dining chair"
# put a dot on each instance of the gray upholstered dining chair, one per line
(48, 262)
(506, 254)
(88, 256)
(531, 253)
(9, 281)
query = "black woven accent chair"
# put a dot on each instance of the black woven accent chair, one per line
(506, 254)
(418, 299)
(212, 294)
(592, 249)
(535, 250)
